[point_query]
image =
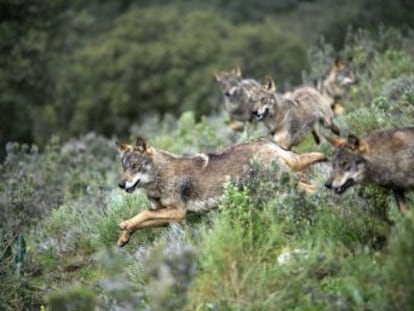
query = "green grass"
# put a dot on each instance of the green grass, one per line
(349, 258)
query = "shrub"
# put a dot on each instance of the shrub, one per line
(75, 298)
(399, 276)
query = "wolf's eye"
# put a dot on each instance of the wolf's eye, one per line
(134, 166)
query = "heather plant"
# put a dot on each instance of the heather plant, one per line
(34, 187)
(261, 219)
(76, 298)
(398, 274)
(384, 65)
(269, 245)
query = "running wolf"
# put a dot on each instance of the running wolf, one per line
(177, 184)
(336, 82)
(384, 158)
(235, 91)
(289, 118)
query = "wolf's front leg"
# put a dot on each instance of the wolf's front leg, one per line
(123, 238)
(168, 213)
(283, 139)
(126, 235)
(237, 126)
(130, 224)
(150, 218)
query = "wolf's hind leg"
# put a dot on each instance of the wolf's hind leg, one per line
(283, 140)
(316, 137)
(401, 201)
(305, 184)
(330, 124)
(335, 129)
(299, 162)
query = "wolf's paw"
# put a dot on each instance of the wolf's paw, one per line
(123, 239)
(308, 187)
(125, 225)
(237, 126)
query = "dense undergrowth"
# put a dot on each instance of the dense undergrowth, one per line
(59, 208)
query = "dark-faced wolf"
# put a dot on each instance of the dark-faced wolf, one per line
(384, 158)
(236, 91)
(177, 184)
(289, 118)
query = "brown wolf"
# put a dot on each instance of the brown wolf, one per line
(336, 82)
(384, 158)
(235, 91)
(177, 184)
(290, 117)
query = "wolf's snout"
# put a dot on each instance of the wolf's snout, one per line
(260, 115)
(328, 184)
(122, 184)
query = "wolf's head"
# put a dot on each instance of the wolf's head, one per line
(229, 84)
(263, 99)
(137, 163)
(340, 77)
(228, 79)
(349, 163)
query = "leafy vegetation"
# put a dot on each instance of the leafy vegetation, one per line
(59, 206)
(68, 68)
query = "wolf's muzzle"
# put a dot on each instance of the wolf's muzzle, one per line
(121, 184)
(328, 184)
(340, 189)
(260, 115)
(124, 185)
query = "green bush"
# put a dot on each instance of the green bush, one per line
(343, 239)
(399, 276)
(59, 208)
(162, 59)
(75, 298)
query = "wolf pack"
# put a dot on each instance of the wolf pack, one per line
(175, 184)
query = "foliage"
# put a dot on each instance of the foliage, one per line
(59, 208)
(162, 60)
(398, 274)
(68, 68)
(76, 298)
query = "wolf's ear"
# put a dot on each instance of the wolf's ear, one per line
(356, 144)
(123, 147)
(336, 141)
(237, 71)
(142, 146)
(217, 75)
(337, 63)
(269, 84)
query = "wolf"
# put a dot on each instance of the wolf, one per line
(177, 184)
(290, 117)
(384, 158)
(235, 91)
(333, 85)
